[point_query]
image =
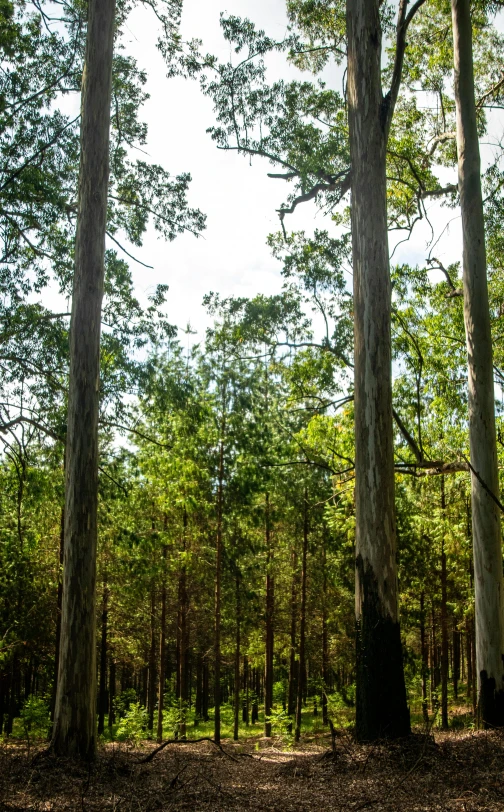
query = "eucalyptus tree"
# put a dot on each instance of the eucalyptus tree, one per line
(43, 52)
(486, 509)
(74, 731)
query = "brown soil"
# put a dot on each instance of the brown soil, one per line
(447, 772)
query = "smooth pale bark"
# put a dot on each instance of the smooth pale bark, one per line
(74, 730)
(381, 707)
(488, 582)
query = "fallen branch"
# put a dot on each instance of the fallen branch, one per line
(164, 744)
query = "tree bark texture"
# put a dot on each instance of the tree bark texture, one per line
(488, 582)
(381, 708)
(74, 730)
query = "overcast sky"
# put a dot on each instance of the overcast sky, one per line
(239, 199)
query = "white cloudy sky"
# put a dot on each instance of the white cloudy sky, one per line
(238, 197)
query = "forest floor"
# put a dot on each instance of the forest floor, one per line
(445, 771)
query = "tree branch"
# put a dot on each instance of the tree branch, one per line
(403, 20)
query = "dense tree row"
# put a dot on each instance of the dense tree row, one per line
(296, 516)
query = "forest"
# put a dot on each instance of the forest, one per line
(260, 567)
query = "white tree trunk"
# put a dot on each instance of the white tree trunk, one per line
(488, 581)
(74, 731)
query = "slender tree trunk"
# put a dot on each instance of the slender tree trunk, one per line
(255, 700)
(325, 646)
(245, 714)
(218, 578)
(102, 696)
(302, 624)
(381, 706)
(444, 621)
(237, 663)
(151, 688)
(444, 645)
(469, 657)
(74, 730)
(425, 659)
(270, 609)
(488, 579)
(162, 653)
(292, 691)
(199, 685)
(205, 692)
(58, 611)
(456, 661)
(112, 691)
(184, 642)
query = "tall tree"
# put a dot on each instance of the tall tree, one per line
(74, 732)
(488, 581)
(381, 695)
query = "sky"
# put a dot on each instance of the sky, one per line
(238, 198)
(231, 257)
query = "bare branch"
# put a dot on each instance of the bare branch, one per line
(403, 20)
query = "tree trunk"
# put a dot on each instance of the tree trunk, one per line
(74, 730)
(112, 691)
(245, 713)
(425, 659)
(292, 690)
(469, 657)
(102, 696)
(184, 643)
(270, 608)
(456, 661)
(218, 577)
(381, 706)
(59, 604)
(488, 581)
(255, 697)
(302, 624)
(205, 691)
(151, 687)
(444, 644)
(237, 664)
(325, 644)
(162, 653)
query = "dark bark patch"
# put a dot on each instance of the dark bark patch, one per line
(382, 711)
(491, 702)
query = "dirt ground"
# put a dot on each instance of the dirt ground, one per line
(463, 771)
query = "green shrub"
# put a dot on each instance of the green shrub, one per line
(35, 718)
(132, 726)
